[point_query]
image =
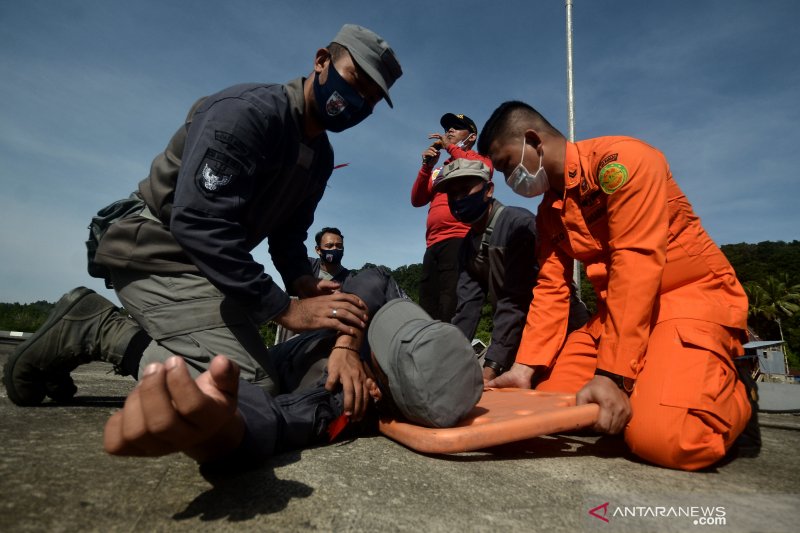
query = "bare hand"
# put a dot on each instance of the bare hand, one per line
(518, 376)
(310, 287)
(615, 406)
(442, 141)
(343, 312)
(170, 412)
(431, 155)
(345, 367)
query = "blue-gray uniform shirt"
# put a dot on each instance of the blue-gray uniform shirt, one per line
(239, 171)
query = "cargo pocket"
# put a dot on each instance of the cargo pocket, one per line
(702, 379)
(199, 314)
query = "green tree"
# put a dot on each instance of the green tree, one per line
(773, 299)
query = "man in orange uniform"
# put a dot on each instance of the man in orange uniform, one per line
(658, 355)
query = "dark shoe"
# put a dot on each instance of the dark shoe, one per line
(748, 444)
(82, 326)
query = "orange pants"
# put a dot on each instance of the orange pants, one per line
(688, 404)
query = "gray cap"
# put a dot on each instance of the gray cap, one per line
(372, 54)
(460, 168)
(434, 375)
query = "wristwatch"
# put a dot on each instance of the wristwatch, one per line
(494, 365)
(625, 384)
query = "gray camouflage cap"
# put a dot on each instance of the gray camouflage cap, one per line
(372, 54)
(461, 168)
(434, 376)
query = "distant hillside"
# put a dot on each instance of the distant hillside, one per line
(752, 262)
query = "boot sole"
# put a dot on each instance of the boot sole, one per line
(63, 307)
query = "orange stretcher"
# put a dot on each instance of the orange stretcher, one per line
(501, 416)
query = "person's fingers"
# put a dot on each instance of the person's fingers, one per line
(225, 374)
(363, 400)
(372, 389)
(345, 312)
(221, 381)
(328, 286)
(352, 299)
(333, 379)
(349, 394)
(510, 380)
(358, 397)
(166, 427)
(134, 430)
(113, 441)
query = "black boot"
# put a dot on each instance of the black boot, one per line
(82, 327)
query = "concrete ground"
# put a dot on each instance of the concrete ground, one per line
(54, 476)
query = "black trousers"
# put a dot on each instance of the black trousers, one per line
(437, 288)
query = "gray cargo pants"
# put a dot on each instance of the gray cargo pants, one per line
(186, 315)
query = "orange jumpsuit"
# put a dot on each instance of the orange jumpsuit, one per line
(671, 312)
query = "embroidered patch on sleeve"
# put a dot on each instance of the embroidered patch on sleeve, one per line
(217, 170)
(212, 181)
(612, 177)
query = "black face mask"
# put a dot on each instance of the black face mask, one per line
(332, 257)
(340, 106)
(470, 208)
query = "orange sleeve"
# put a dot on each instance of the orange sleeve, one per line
(548, 315)
(638, 225)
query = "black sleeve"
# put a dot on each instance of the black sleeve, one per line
(275, 425)
(287, 242)
(375, 286)
(515, 291)
(224, 145)
(471, 295)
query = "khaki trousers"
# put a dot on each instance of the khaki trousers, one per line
(186, 315)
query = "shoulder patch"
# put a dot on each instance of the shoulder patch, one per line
(606, 160)
(217, 170)
(612, 177)
(212, 181)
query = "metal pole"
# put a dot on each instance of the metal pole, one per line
(576, 266)
(570, 84)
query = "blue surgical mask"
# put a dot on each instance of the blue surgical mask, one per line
(340, 106)
(526, 184)
(470, 208)
(332, 257)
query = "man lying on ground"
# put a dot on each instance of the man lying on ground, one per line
(415, 367)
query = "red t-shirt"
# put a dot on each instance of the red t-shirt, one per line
(440, 224)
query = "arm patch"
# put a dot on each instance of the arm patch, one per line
(216, 170)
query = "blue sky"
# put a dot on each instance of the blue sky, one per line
(91, 91)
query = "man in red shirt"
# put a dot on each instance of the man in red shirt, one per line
(443, 233)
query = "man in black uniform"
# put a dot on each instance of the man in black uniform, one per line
(250, 163)
(497, 259)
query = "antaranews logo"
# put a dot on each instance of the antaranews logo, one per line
(596, 512)
(697, 514)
